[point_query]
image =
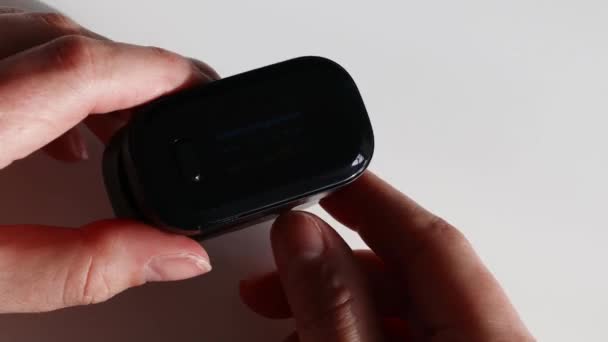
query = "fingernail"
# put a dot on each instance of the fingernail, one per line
(176, 267)
(77, 145)
(298, 236)
(205, 69)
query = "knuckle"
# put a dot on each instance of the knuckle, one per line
(88, 286)
(87, 281)
(336, 316)
(437, 233)
(440, 229)
(74, 53)
(56, 21)
(441, 232)
(95, 287)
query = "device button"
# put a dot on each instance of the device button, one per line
(187, 160)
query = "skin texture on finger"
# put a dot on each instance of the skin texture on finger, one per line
(324, 286)
(49, 89)
(22, 31)
(264, 293)
(106, 126)
(454, 295)
(47, 268)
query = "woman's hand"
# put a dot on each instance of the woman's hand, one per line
(53, 75)
(422, 282)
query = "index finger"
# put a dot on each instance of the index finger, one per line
(451, 290)
(49, 89)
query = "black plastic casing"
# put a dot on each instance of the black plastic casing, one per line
(240, 150)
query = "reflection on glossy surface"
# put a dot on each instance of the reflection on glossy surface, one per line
(238, 149)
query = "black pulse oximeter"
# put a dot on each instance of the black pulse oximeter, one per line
(234, 152)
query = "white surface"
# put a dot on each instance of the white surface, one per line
(491, 113)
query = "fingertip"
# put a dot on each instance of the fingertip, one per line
(142, 241)
(175, 266)
(284, 224)
(323, 284)
(144, 253)
(108, 76)
(206, 69)
(67, 267)
(297, 238)
(290, 218)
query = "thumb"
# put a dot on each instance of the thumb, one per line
(48, 268)
(325, 288)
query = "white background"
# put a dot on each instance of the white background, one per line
(490, 113)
